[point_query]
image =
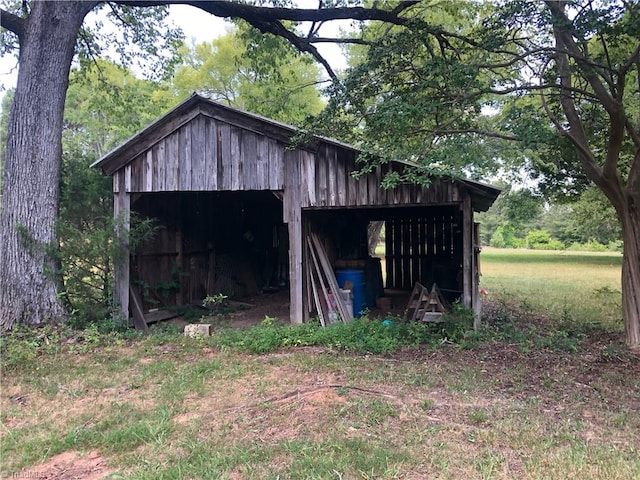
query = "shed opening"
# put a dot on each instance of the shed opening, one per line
(209, 243)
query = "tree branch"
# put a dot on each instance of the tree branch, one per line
(356, 41)
(483, 133)
(269, 20)
(12, 22)
(226, 9)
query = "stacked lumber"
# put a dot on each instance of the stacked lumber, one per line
(324, 287)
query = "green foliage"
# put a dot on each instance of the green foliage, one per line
(259, 73)
(505, 237)
(541, 240)
(142, 39)
(360, 335)
(105, 104)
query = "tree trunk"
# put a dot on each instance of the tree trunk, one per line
(28, 291)
(631, 273)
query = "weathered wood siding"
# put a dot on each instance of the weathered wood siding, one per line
(206, 154)
(209, 154)
(425, 246)
(326, 181)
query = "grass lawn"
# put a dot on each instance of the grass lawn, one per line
(533, 395)
(580, 286)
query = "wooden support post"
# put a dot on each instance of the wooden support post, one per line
(293, 216)
(180, 294)
(122, 215)
(467, 251)
(477, 301)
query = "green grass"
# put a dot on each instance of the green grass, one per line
(542, 391)
(567, 286)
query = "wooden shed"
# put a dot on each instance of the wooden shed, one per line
(235, 201)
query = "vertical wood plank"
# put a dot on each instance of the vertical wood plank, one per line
(332, 183)
(341, 177)
(121, 212)
(236, 169)
(224, 156)
(171, 152)
(179, 250)
(252, 181)
(415, 255)
(373, 188)
(388, 252)
(199, 171)
(406, 254)
(211, 148)
(162, 167)
(185, 162)
(352, 186)
(467, 251)
(475, 274)
(311, 163)
(422, 241)
(397, 253)
(430, 233)
(293, 217)
(136, 173)
(276, 165)
(305, 187)
(262, 157)
(148, 171)
(127, 178)
(321, 181)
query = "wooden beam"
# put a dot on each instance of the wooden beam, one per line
(122, 215)
(477, 301)
(467, 251)
(331, 279)
(293, 216)
(138, 315)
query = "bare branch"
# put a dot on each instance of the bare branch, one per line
(575, 136)
(566, 43)
(476, 131)
(356, 41)
(12, 22)
(226, 9)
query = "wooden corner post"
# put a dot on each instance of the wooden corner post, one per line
(467, 252)
(293, 217)
(122, 216)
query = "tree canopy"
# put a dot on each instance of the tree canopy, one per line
(253, 72)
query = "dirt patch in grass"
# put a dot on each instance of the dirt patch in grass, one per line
(70, 466)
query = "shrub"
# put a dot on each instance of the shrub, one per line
(542, 240)
(590, 246)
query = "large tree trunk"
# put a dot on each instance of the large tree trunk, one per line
(28, 292)
(631, 274)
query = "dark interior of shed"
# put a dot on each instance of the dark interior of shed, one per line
(234, 243)
(421, 244)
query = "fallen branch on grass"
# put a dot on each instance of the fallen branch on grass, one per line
(300, 394)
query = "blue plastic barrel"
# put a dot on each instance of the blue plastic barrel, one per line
(359, 292)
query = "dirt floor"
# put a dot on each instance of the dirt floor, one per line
(253, 310)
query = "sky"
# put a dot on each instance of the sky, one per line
(203, 27)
